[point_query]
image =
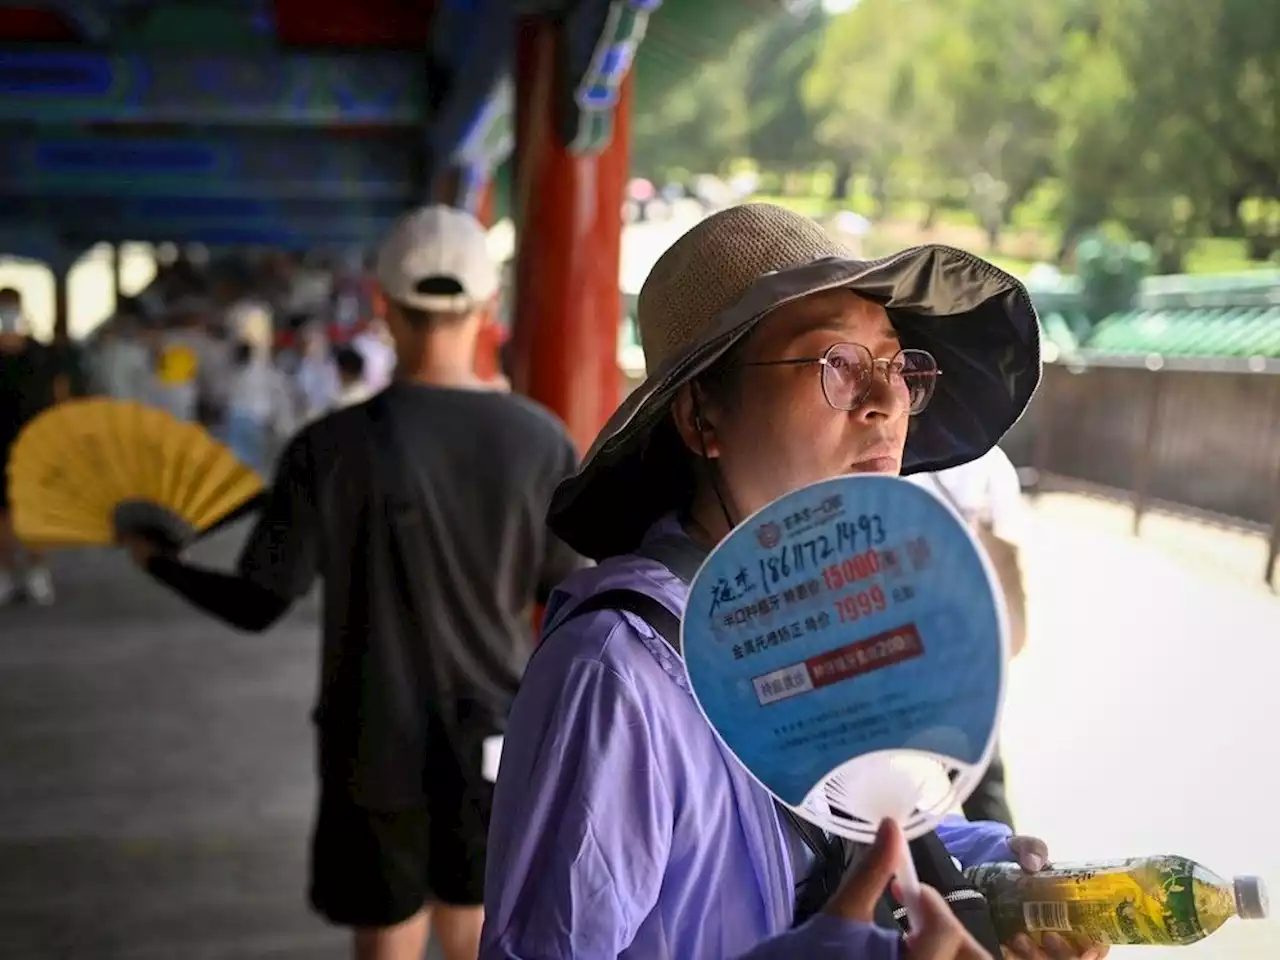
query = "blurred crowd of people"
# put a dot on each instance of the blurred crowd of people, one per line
(250, 350)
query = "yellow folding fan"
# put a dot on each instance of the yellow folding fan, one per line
(88, 471)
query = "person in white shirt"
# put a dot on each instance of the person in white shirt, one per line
(317, 376)
(987, 494)
(984, 491)
(378, 352)
(261, 408)
(121, 363)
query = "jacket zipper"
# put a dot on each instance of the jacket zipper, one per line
(955, 896)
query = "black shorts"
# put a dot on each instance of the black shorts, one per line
(377, 868)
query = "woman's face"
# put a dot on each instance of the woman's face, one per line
(775, 432)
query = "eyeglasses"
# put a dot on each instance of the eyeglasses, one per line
(849, 370)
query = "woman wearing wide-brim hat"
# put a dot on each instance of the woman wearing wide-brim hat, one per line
(621, 826)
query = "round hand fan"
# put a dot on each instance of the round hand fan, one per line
(847, 644)
(88, 471)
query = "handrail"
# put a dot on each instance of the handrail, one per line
(1085, 359)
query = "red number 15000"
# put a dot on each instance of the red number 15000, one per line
(862, 604)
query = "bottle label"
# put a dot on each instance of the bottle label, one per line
(1046, 916)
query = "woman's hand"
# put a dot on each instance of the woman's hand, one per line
(940, 936)
(1032, 855)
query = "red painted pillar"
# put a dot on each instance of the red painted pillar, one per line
(568, 214)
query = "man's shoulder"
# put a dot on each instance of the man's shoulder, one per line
(533, 416)
(512, 420)
(332, 432)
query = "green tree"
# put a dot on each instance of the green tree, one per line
(1169, 123)
(946, 87)
(1206, 80)
(861, 88)
(696, 126)
(745, 102)
(772, 61)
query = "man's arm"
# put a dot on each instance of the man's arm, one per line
(277, 565)
(559, 559)
(227, 596)
(281, 554)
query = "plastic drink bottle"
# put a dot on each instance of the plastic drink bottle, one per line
(1148, 900)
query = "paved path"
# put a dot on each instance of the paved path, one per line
(1145, 715)
(155, 777)
(155, 769)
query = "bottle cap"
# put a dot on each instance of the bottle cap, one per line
(1251, 898)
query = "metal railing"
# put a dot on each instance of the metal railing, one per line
(1199, 433)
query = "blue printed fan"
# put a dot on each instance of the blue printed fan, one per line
(848, 643)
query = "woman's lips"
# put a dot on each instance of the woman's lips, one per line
(876, 465)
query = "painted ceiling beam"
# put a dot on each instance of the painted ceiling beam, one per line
(299, 89)
(295, 233)
(261, 164)
(141, 210)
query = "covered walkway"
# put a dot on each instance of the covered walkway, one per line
(155, 768)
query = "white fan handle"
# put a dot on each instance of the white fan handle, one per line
(909, 885)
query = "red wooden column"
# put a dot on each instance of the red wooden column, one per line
(568, 215)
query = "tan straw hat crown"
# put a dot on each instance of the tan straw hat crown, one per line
(694, 281)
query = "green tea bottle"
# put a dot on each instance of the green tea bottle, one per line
(1149, 900)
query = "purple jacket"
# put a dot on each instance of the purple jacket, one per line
(623, 829)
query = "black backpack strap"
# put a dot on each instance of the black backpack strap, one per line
(937, 869)
(664, 623)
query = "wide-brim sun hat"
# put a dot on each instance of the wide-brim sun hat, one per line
(729, 272)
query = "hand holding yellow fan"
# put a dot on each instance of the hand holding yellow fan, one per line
(97, 471)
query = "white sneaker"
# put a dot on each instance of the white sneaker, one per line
(39, 586)
(8, 588)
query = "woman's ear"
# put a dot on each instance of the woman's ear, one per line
(688, 410)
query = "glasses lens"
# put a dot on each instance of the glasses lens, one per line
(846, 375)
(918, 372)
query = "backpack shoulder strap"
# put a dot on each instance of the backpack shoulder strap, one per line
(664, 623)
